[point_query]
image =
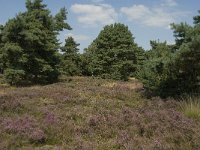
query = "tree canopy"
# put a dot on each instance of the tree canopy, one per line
(30, 49)
(113, 53)
(30, 53)
(174, 70)
(70, 63)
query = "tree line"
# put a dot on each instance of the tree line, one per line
(30, 53)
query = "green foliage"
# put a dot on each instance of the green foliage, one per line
(30, 42)
(84, 61)
(70, 64)
(112, 53)
(185, 72)
(1, 44)
(155, 68)
(14, 77)
(60, 20)
(174, 70)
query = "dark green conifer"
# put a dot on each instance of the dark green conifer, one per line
(113, 53)
(30, 47)
(70, 64)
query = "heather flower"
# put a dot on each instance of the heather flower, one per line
(25, 126)
(37, 135)
(50, 118)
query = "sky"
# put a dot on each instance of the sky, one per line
(146, 19)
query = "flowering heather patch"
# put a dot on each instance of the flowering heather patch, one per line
(24, 126)
(50, 118)
(87, 113)
(8, 103)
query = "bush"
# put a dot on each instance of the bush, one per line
(1, 79)
(14, 77)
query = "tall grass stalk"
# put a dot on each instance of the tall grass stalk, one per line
(190, 106)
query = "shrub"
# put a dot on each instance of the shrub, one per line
(13, 76)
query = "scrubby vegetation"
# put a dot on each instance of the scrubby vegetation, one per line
(59, 110)
(87, 113)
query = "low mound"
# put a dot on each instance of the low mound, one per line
(87, 113)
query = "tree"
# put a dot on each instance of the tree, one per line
(1, 44)
(112, 53)
(85, 59)
(175, 70)
(30, 43)
(154, 69)
(186, 70)
(70, 64)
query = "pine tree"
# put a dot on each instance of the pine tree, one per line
(70, 64)
(154, 69)
(175, 70)
(1, 53)
(31, 47)
(186, 70)
(113, 53)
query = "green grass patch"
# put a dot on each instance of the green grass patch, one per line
(191, 107)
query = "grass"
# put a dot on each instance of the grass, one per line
(87, 113)
(191, 107)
